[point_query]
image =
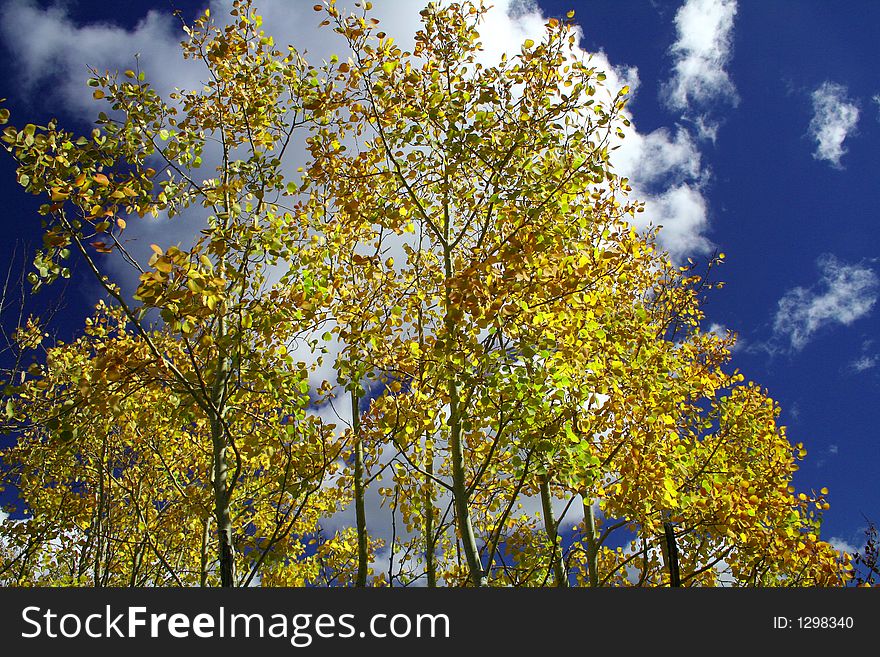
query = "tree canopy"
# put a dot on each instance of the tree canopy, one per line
(524, 379)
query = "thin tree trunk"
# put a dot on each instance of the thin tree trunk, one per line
(203, 554)
(551, 527)
(221, 505)
(459, 483)
(430, 543)
(360, 512)
(670, 554)
(430, 548)
(222, 484)
(592, 541)
(99, 515)
(459, 490)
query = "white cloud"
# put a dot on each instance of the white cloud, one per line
(876, 99)
(830, 452)
(666, 173)
(722, 332)
(834, 118)
(53, 54)
(707, 129)
(843, 294)
(701, 52)
(867, 360)
(659, 157)
(682, 211)
(864, 363)
(842, 545)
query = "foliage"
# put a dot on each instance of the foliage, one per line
(510, 347)
(865, 564)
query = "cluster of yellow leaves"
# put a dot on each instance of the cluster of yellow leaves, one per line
(462, 240)
(113, 469)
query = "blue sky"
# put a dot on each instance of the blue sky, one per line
(756, 133)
